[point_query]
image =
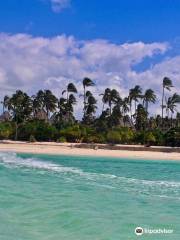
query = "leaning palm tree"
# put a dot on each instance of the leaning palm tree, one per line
(130, 99)
(125, 105)
(135, 94)
(125, 108)
(90, 109)
(71, 88)
(110, 97)
(87, 82)
(171, 105)
(167, 84)
(44, 101)
(50, 102)
(70, 99)
(148, 97)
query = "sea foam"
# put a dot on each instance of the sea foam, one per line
(15, 161)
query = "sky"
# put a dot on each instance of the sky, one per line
(45, 44)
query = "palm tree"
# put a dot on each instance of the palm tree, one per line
(44, 101)
(141, 118)
(38, 102)
(70, 99)
(171, 105)
(90, 108)
(135, 93)
(50, 102)
(60, 115)
(125, 107)
(167, 84)
(148, 97)
(110, 97)
(20, 105)
(178, 119)
(70, 89)
(87, 82)
(130, 99)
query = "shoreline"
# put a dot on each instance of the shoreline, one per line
(120, 151)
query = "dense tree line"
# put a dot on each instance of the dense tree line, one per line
(44, 117)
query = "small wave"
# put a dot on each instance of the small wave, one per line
(168, 197)
(154, 183)
(12, 160)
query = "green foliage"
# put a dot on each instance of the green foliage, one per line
(159, 136)
(114, 137)
(62, 140)
(127, 134)
(94, 138)
(149, 139)
(72, 133)
(43, 117)
(6, 130)
(172, 137)
(32, 139)
(154, 137)
(139, 137)
(41, 130)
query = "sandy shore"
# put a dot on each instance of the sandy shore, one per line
(70, 149)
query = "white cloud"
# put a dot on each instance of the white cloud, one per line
(32, 63)
(59, 5)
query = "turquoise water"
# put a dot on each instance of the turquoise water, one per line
(83, 198)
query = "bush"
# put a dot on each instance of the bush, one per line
(172, 137)
(139, 137)
(6, 130)
(41, 130)
(159, 137)
(96, 138)
(72, 134)
(32, 139)
(62, 140)
(127, 135)
(114, 137)
(149, 138)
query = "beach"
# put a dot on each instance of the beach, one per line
(139, 152)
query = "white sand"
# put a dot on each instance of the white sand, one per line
(69, 149)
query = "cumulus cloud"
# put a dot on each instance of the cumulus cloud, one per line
(32, 63)
(59, 5)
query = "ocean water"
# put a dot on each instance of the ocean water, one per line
(86, 198)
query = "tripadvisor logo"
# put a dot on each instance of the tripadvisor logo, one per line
(139, 231)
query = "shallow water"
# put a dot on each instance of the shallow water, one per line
(83, 198)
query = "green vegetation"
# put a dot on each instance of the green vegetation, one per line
(44, 117)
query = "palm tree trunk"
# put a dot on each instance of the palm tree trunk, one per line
(3, 107)
(103, 108)
(84, 100)
(162, 116)
(131, 110)
(172, 119)
(147, 123)
(110, 108)
(47, 114)
(124, 118)
(16, 131)
(68, 113)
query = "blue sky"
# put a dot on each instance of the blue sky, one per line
(115, 20)
(117, 43)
